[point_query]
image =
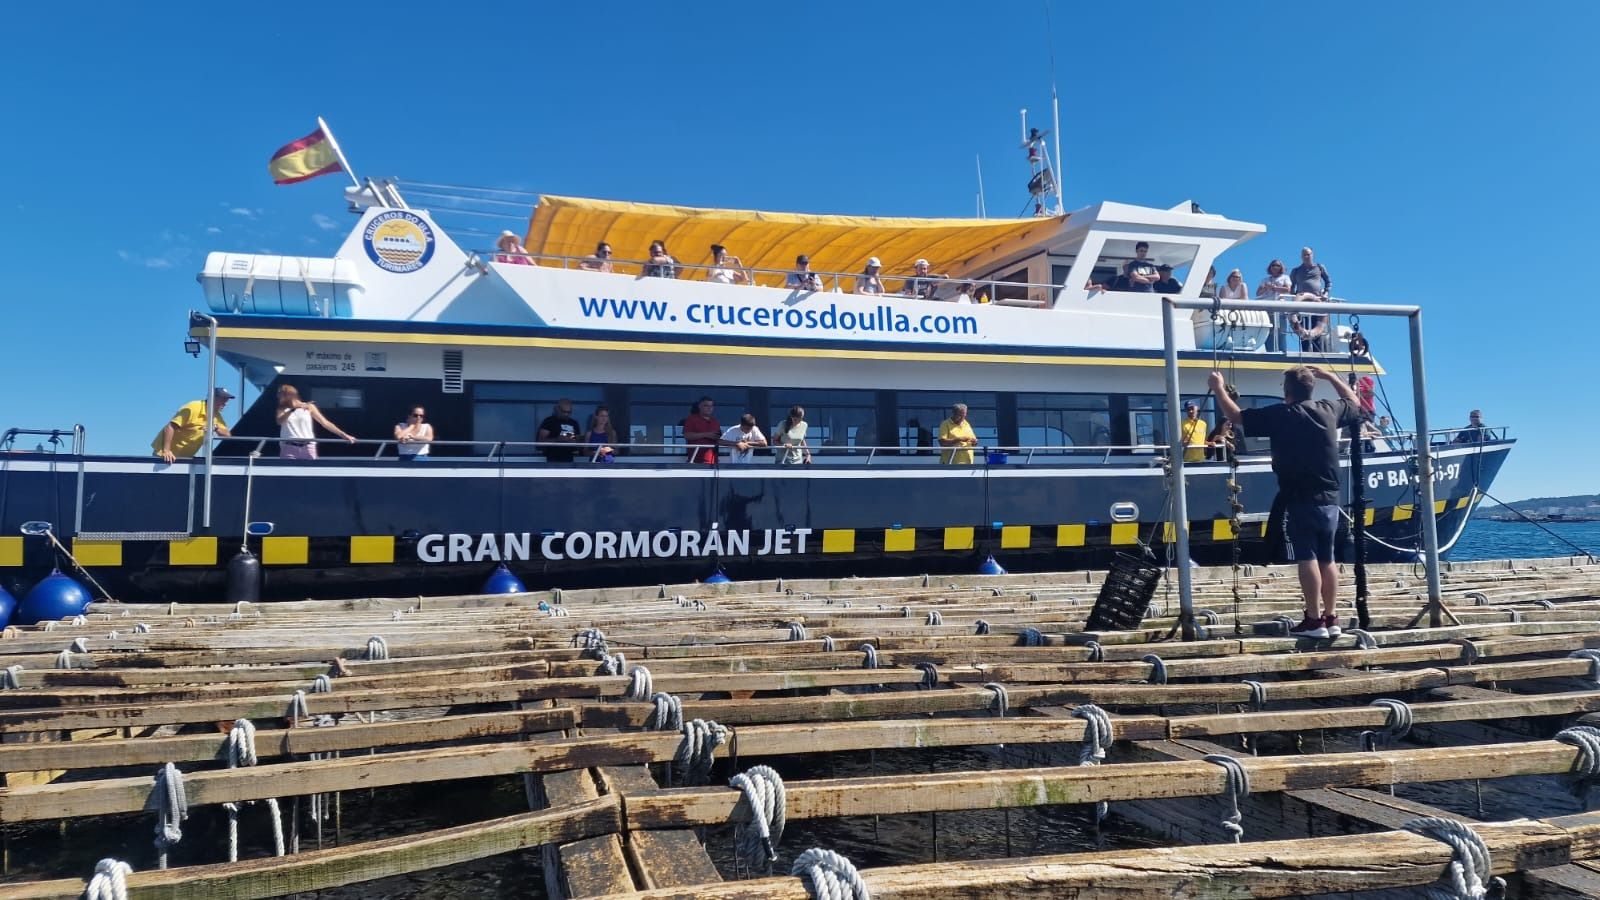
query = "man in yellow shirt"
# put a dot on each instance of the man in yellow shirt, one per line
(1193, 434)
(185, 433)
(956, 434)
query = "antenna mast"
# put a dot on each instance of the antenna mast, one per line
(983, 207)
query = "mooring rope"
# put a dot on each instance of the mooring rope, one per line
(1158, 668)
(297, 707)
(172, 808)
(1586, 768)
(756, 843)
(11, 678)
(80, 645)
(1001, 702)
(827, 644)
(589, 638)
(1258, 694)
(829, 876)
(1469, 860)
(377, 648)
(64, 659)
(697, 750)
(1210, 615)
(1469, 650)
(141, 628)
(1478, 598)
(930, 675)
(612, 663)
(1097, 653)
(640, 685)
(1397, 727)
(1593, 656)
(1286, 622)
(1235, 785)
(980, 627)
(869, 658)
(935, 617)
(1031, 637)
(110, 881)
(797, 631)
(322, 684)
(240, 751)
(1096, 743)
(558, 611)
(1364, 640)
(668, 714)
(905, 612)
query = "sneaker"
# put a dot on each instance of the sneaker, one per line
(1331, 623)
(1309, 628)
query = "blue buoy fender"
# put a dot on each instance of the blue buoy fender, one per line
(990, 567)
(502, 581)
(8, 606)
(718, 577)
(54, 597)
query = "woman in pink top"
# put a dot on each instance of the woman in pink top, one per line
(511, 250)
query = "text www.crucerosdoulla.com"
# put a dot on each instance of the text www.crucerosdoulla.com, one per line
(829, 318)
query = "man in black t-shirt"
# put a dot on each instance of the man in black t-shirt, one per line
(1305, 457)
(561, 430)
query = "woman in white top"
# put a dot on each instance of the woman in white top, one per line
(726, 269)
(1233, 288)
(295, 432)
(415, 435)
(868, 282)
(1277, 282)
(792, 438)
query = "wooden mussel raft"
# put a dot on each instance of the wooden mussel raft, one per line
(641, 724)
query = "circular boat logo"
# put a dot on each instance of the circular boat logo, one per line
(398, 241)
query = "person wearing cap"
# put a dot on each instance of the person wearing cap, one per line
(1166, 284)
(868, 281)
(511, 250)
(186, 431)
(802, 278)
(922, 285)
(1192, 434)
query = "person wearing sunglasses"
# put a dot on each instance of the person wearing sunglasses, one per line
(415, 435)
(600, 261)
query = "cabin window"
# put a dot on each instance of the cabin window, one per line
(505, 411)
(656, 414)
(1063, 420)
(1110, 269)
(336, 397)
(833, 418)
(918, 415)
(1014, 288)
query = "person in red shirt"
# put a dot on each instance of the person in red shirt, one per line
(701, 431)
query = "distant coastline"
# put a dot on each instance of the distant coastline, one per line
(1574, 508)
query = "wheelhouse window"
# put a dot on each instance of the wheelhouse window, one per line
(833, 418)
(655, 414)
(1111, 269)
(506, 411)
(1063, 420)
(918, 415)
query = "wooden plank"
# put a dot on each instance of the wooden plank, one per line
(660, 858)
(590, 867)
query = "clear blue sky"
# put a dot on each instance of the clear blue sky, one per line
(1432, 153)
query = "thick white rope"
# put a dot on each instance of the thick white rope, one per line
(240, 751)
(1593, 656)
(1096, 743)
(827, 644)
(141, 628)
(377, 648)
(935, 617)
(80, 645)
(1469, 862)
(1210, 615)
(905, 612)
(612, 664)
(930, 675)
(797, 631)
(1001, 702)
(668, 715)
(1097, 653)
(110, 881)
(756, 843)
(558, 611)
(1258, 695)
(11, 678)
(1398, 726)
(640, 685)
(1032, 637)
(1235, 785)
(1364, 640)
(697, 750)
(829, 876)
(1586, 768)
(64, 659)
(172, 809)
(869, 659)
(980, 627)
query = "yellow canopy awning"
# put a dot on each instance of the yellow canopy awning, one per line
(572, 226)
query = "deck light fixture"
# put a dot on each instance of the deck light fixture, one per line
(191, 347)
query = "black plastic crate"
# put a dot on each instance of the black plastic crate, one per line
(1125, 596)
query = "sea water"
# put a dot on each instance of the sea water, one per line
(1484, 539)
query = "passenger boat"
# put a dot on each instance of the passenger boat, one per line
(1062, 379)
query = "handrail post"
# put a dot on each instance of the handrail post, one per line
(1430, 526)
(80, 444)
(211, 414)
(1179, 492)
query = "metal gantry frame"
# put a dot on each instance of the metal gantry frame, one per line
(1419, 387)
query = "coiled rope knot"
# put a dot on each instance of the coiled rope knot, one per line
(141, 628)
(869, 659)
(110, 881)
(640, 685)
(1097, 653)
(1096, 743)
(829, 876)
(1032, 637)
(322, 684)
(1210, 615)
(1258, 695)
(11, 678)
(1158, 668)
(1516, 615)
(930, 675)
(589, 639)
(557, 612)
(905, 612)
(172, 809)
(1469, 859)
(980, 627)
(755, 843)
(1397, 726)
(935, 617)
(612, 663)
(697, 749)
(668, 714)
(1469, 650)
(64, 659)
(80, 645)
(827, 644)
(1593, 656)
(1236, 784)
(1478, 598)
(377, 648)
(1586, 767)
(797, 631)
(240, 751)
(1364, 640)
(80, 620)
(1001, 702)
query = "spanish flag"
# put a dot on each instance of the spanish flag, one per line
(308, 157)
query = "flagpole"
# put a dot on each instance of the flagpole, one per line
(344, 163)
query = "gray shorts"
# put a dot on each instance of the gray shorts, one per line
(1310, 529)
